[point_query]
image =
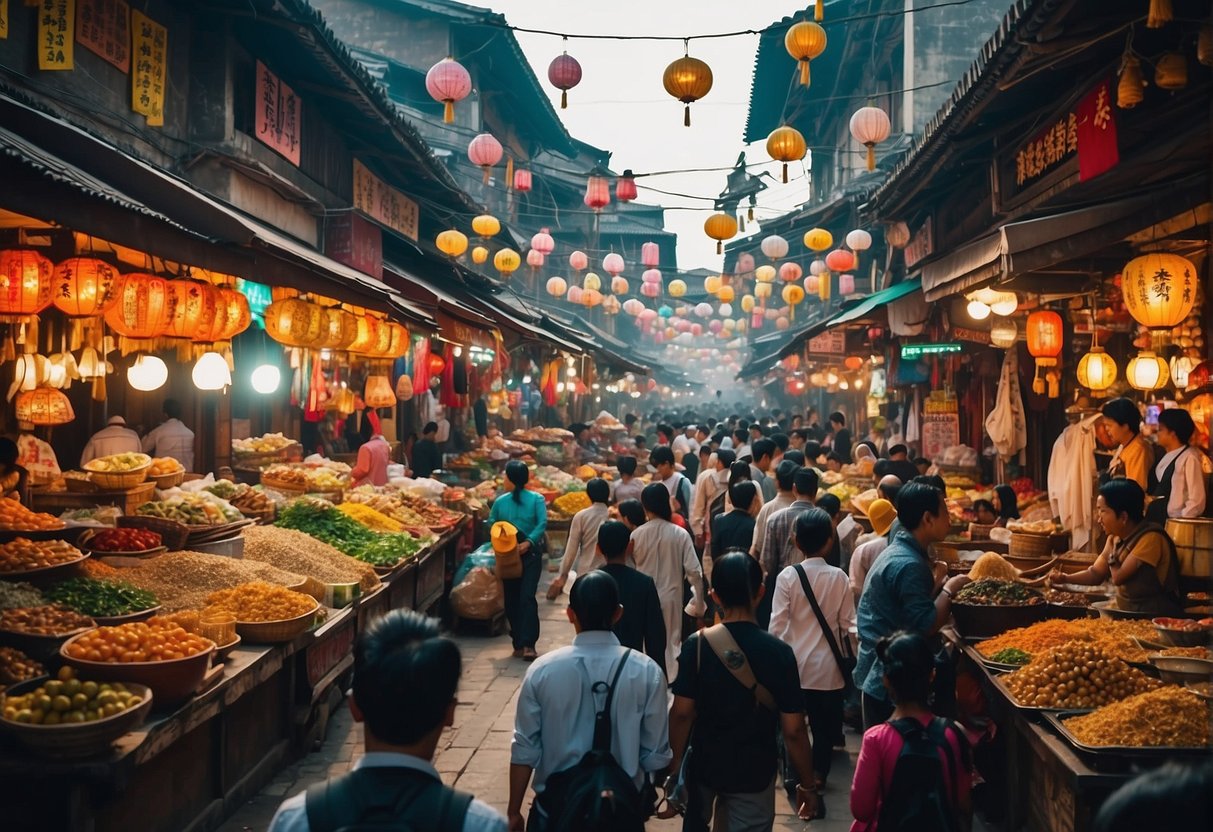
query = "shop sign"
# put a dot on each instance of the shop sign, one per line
(151, 68)
(1098, 149)
(3, 19)
(279, 115)
(56, 30)
(324, 655)
(829, 343)
(940, 431)
(103, 27)
(976, 336)
(921, 245)
(385, 204)
(912, 352)
(456, 330)
(352, 239)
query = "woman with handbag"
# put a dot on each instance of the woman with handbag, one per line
(813, 611)
(528, 513)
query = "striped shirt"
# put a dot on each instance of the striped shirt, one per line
(779, 547)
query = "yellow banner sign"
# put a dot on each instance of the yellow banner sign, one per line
(380, 201)
(151, 67)
(3, 19)
(56, 34)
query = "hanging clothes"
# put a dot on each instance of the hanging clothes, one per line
(421, 366)
(1006, 425)
(1071, 480)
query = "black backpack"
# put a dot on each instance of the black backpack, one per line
(385, 799)
(596, 794)
(919, 798)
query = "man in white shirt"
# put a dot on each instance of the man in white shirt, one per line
(1178, 480)
(554, 721)
(785, 479)
(171, 438)
(581, 551)
(114, 438)
(712, 482)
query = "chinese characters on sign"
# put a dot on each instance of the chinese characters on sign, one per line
(151, 68)
(56, 25)
(3, 19)
(278, 115)
(379, 200)
(921, 244)
(940, 426)
(829, 343)
(1098, 150)
(1052, 146)
(103, 28)
(357, 242)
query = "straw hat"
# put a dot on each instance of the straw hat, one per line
(504, 536)
(882, 514)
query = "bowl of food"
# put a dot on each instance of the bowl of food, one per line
(989, 607)
(265, 613)
(22, 559)
(1183, 632)
(166, 472)
(1109, 609)
(40, 631)
(105, 601)
(123, 542)
(118, 472)
(1175, 670)
(156, 653)
(1070, 605)
(66, 717)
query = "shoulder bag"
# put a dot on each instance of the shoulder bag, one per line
(844, 656)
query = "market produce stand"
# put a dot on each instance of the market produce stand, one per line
(55, 502)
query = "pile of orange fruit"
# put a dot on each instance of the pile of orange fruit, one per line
(154, 640)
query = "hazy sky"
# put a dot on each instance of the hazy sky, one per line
(621, 105)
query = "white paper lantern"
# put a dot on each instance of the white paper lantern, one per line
(147, 373)
(211, 372)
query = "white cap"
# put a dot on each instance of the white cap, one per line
(116, 420)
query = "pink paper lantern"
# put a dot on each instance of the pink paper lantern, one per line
(651, 276)
(448, 82)
(633, 306)
(756, 319)
(578, 261)
(648, 314)
(576, 294)
(613, 264)
(790, 272)
(597, 192)
(659, 337)
(625, 187)
(781, 323)
(543, 242)
(703, 310)
(696, 330)
(522, 180)
(745, 264)
(485, 151)
(817, 267)
(564, 73)
(650, 290)
(811, 284)
(714, 326)
(534, 258)
(840, 260)
(846, 284)
(650, 255)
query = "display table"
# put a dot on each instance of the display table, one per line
(57, 502)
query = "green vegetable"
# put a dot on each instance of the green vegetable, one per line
(388, 549)
(993, 592)
(1011, 655)
(93, 596)
(325, 523)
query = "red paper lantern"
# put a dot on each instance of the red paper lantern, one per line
(143, 306)
(436, 364)
(790, 272)
(564, 73)
(625, 187)
(1045, 337)
(840, 260)
(597, 192)
(522, 180)
(26, 287)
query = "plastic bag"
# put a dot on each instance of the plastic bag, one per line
(479, 596)
(482, 557)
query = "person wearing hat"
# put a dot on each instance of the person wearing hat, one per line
(526, 511)
(114, 438)
(883, 516)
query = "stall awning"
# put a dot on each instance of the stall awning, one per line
(1030, 245)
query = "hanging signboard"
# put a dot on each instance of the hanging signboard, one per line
(911, 352)
(940, 431)
(279, 115)
(977, 336)
(921, 245)
(150, 48)
(103, 27)
(829, 343)
(56, 30)
(385, 204)
(3, 19)
(352, 239)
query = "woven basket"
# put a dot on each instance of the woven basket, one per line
(167, 481)
(172, 534)
(979, 531)
(1026, 545)
(119, 480)
(276, 632)
(286, 487)
(77, 740)
(264, 517)
(76, 485)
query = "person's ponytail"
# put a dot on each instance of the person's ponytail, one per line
(518, 475)
(656, 499)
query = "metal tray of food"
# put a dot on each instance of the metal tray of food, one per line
(996, 678)
(1057, 720)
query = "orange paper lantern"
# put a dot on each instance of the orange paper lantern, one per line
(1045, 337)
(294, 322)
(82, 286)
(44, 406)
(143, 307)
(25, 282)
(193, 308)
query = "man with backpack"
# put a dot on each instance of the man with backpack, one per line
(406, 676)
(662, 459)
(591, 725)
(710, 491)
(737, 686)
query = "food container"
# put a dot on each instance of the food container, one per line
(1069, 612)
(167, 481)
(276, 632)
(40, 648)
(1103, 752)
(84, 543)
(233, 547)
(172, 681)
(79, 485)
(172, 533)
(987, 621)
(1177, 670)
(997, 678)
(1030, 545)
(1170, 634)
(225, 650)
(218, 626)
(119, 480)
(45, 574)
(1108, 609)
(81, 739)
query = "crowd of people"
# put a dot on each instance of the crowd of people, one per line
(730, 619)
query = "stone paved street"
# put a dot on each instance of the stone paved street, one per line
(474, 755)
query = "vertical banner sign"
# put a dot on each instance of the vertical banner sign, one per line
(151, 68)
(382, 202)
(56, 30)
(103, 27)
(278, 115)
(3, 19)
(1098, 150)
(940, 427)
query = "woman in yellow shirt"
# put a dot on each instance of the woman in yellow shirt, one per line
(1139, 556)
(1134, 458)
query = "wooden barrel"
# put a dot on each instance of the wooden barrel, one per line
(1194, 547)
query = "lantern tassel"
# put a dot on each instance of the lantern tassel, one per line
(509, 173)
(686, 116)
(819, 11)
(785, 173)
(486, 174)
(750, 213)
(804, 73)
(1160, 14)
(719, 247)
(871, 157)
(448, 112)
(564, 99)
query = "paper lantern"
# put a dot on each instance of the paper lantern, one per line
(812, 284)
(236, 313)
(1129, 87)
(720, 227)
(870, 126)
(1004, 332)
(44, 406)
(26, 285)
(1044, 337)
(747, 303)
(678, 288)
(506, 261)
(338, 329)
(633, 306)
(619, 285)
(786, 144)
(1003, 303)
(650, 255)
(486, 225)
(805, 41)
(575, 294)
(818, 239)
(1159, 289)
(297, 323)
(774, 247)
(452, 243)
(211, 372)
(1171, 71)
(665, 311)
(823, 287)
(522, 181)
(726, 294)
(703, 310)
(687, 79)
(712, 284)
(790, 272)
(82, 286)
(143, 306)
(792, 294)
(1181, 370)
(564, 73)
(846, 284)
(857, 241)
(625, 187)
(897, 234)
(578, 261)
(1096, 370)
(597, 192)
(398, 342)
(447, 81)
(650, 290)
(977, 310)
(378, 392)
(591, 298)
(613, 264)
(194, 308)
(543, 242)
(726, 310)
(147, 373)
(480, 255)
(485, 151)
(1147, 371)
(611, 305)
(557, 286)
(840, 260)
(765, 274)
(1159, 14)
(368, 333)
(591, 281)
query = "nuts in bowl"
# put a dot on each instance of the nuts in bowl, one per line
(46, 620)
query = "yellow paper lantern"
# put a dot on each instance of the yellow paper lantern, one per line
(26, 286)
(296, 323)
(1129, 87)
(486, 225)
(818, 239)
(687, 79)
(235, 311)
(712, 283)
(452, 243)
(786, 144)
(619, 285)
(44, 406)
(823, 286)
(726, 294)
(1159, 289)
(339, 329)
(762, 291)
(283, 293)
(792, 294)
(82, 286)
(591, 282)
(591, 298)
(368, 333)
(506, 261)
(720, 227)
(143, 306)
(678, 288)
(392, 341)
(378, 392)
(1096, 370)
(480, 254)
(805, 41)
(747, 303)
(1147, 371)
(765, 274)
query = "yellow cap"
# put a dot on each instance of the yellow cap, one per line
(504, 536)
